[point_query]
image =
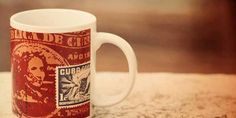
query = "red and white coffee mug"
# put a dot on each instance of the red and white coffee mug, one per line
(53, 56)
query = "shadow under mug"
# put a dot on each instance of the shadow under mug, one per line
(53, 63)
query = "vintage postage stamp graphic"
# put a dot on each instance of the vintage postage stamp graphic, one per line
(72, 85)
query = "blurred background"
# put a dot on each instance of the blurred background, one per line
(187, 36)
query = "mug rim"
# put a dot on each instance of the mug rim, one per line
(54, 20)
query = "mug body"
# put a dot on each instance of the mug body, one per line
(52, 64)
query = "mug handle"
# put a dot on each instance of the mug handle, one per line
(101, 38)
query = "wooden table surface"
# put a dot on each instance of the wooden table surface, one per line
(157, 95)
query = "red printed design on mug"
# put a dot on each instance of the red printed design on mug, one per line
(51, 73)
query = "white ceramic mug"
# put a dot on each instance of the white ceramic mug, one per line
(53, 56)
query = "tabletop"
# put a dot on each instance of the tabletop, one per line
(156, 95)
